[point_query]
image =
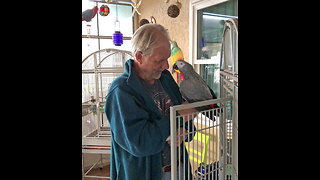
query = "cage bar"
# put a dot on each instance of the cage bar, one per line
(209, 149)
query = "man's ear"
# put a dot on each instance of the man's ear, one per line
(138, 56)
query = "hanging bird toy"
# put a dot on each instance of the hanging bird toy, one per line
(104, 10)
(88, 14)
(117, 36)
(88, 31)
(93, 106)
(176, 54)
(174, 9)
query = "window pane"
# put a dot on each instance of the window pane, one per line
(211, 37)
(210, 28)
(108, 43)
(211, 74)
(107, 23)
(209, 40)
(106, 27)
(89, 46)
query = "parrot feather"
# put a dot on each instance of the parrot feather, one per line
(193, 88)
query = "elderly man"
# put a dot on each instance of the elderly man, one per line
(137, 108)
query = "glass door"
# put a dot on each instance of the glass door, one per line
(207, 29)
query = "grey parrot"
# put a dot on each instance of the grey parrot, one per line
(193, 88)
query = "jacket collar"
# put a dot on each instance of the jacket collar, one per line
(134, 83)
(133, 79)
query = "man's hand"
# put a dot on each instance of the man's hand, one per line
(182, 138)
(189, 113)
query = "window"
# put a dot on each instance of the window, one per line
(101, 28)
(206, 32)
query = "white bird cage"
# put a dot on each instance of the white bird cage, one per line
(229, 88)
(99, 69)
(213, 150)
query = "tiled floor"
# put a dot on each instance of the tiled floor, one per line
(105, 171)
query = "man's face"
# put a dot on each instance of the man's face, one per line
(155, 63)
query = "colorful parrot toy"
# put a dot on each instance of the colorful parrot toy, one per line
(93, 106)
(88, 14)
(176, 54)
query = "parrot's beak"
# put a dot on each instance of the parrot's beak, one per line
(174, 67)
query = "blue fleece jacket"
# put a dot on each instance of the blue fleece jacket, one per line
(138, 129)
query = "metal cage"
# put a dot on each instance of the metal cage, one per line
(99, 69)
(212, 147)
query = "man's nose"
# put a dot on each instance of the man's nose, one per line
(165, 65)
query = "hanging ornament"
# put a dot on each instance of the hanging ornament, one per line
(104, 10)
(88, 33)
(88, 14)
(174, 9)
(88, 30)
(117, 37)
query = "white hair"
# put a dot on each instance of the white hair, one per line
(145, 38)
